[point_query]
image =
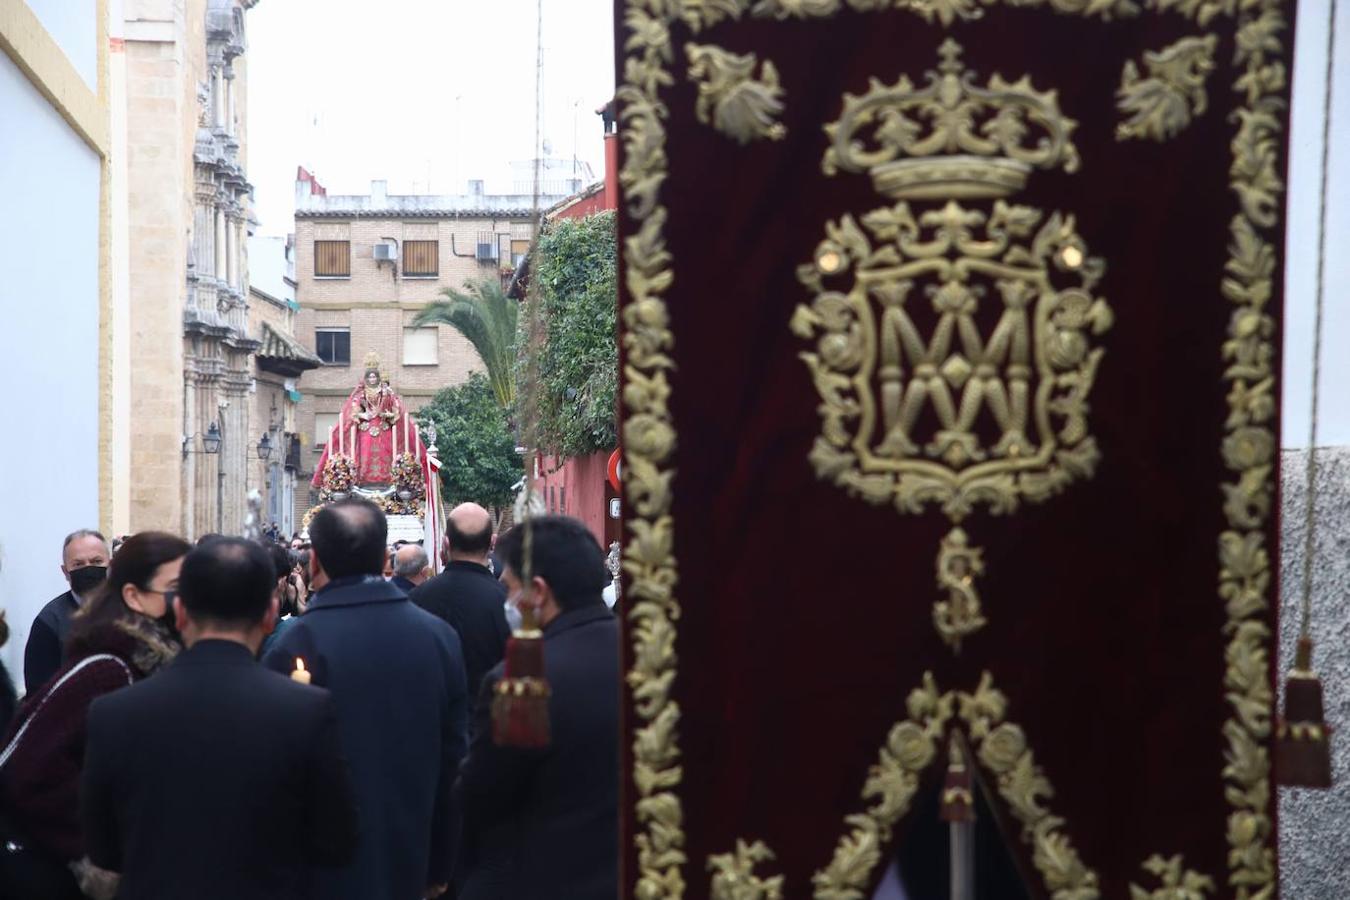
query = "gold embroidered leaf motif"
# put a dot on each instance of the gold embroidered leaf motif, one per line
(1177, 883)
(730, 96)
(854, 858)
(1002, 749)
(945, 11)
(1202, 11)
(734, 875)
(699, 14)
(1164, 102)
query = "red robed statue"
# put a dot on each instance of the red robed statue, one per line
(372, 432)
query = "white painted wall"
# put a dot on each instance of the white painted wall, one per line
(73, 25)
(1301, 245)
(49, 343)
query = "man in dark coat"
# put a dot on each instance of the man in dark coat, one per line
(467, 594)
(84, 562)
(217, 778)
(411, 568)
(397, 678)
(543, 824)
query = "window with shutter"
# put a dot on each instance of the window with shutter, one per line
(421, 259)
(333, 259)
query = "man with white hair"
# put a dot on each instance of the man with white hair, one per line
(411, 567)
(84, 563)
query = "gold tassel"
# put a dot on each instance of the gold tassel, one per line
(1303, 746)
(520, 701)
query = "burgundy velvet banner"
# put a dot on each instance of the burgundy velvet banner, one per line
(1040, 316)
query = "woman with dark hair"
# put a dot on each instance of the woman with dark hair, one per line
(122, 634)
(292, 591)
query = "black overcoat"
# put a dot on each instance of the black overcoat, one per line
(473, 602)
(396, 674)
(543, 824)
(216, 779)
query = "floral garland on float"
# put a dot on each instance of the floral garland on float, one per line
(339, 474)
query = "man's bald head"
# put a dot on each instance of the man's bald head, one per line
(469, 532)
(410, 562)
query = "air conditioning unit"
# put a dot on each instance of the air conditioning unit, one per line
(386, 253)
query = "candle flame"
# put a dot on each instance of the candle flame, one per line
(299, 664)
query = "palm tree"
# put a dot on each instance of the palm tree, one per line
(487, 318)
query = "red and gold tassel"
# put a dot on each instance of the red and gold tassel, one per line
(1303, 745)
(520, 703)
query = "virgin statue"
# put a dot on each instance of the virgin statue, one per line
(373, 432)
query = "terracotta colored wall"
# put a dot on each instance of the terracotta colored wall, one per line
(578, 489)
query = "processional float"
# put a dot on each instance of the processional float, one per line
(949, 337)
(375, 450)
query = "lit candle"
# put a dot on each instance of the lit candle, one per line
(300, 674)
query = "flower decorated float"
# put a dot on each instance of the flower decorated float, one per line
(375, 450)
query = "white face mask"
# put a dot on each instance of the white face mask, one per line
(512, 614)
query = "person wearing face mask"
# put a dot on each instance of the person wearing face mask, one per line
(121, 634)
(291, 593)
(84, 563)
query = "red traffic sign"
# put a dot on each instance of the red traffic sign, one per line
(616, 469)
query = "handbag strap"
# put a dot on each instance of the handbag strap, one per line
(82, 664)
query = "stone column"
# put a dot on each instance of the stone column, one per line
(232, 252)
(218, 96)
(229, 103)
(220, 243)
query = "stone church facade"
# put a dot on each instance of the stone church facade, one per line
(189, 215)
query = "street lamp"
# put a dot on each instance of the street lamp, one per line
(264, 447)
(211, 440)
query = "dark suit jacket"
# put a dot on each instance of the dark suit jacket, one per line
(215, 779)
(473, 601)
(397, 678)
(43, 653)
(544, 824)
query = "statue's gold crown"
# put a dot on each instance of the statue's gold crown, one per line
(372, 361)
(950, 138)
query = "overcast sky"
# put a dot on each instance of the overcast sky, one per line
(416, 91)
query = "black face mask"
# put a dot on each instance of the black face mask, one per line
(168, 621)
(84, 580)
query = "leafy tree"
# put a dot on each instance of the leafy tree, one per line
(475, 445)
(577, 275)
(487, 318)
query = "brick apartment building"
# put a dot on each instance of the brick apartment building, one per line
(366, 264)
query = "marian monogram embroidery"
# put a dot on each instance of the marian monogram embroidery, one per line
(953, 344)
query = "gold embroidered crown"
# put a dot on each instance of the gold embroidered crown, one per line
(950, 138)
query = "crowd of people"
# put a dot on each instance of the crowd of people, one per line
(246, 719)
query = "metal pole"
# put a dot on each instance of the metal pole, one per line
(963, 860)
(220, 481)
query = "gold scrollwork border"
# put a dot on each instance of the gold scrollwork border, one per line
(649, 442)
(1248, 447)
(911, 747)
